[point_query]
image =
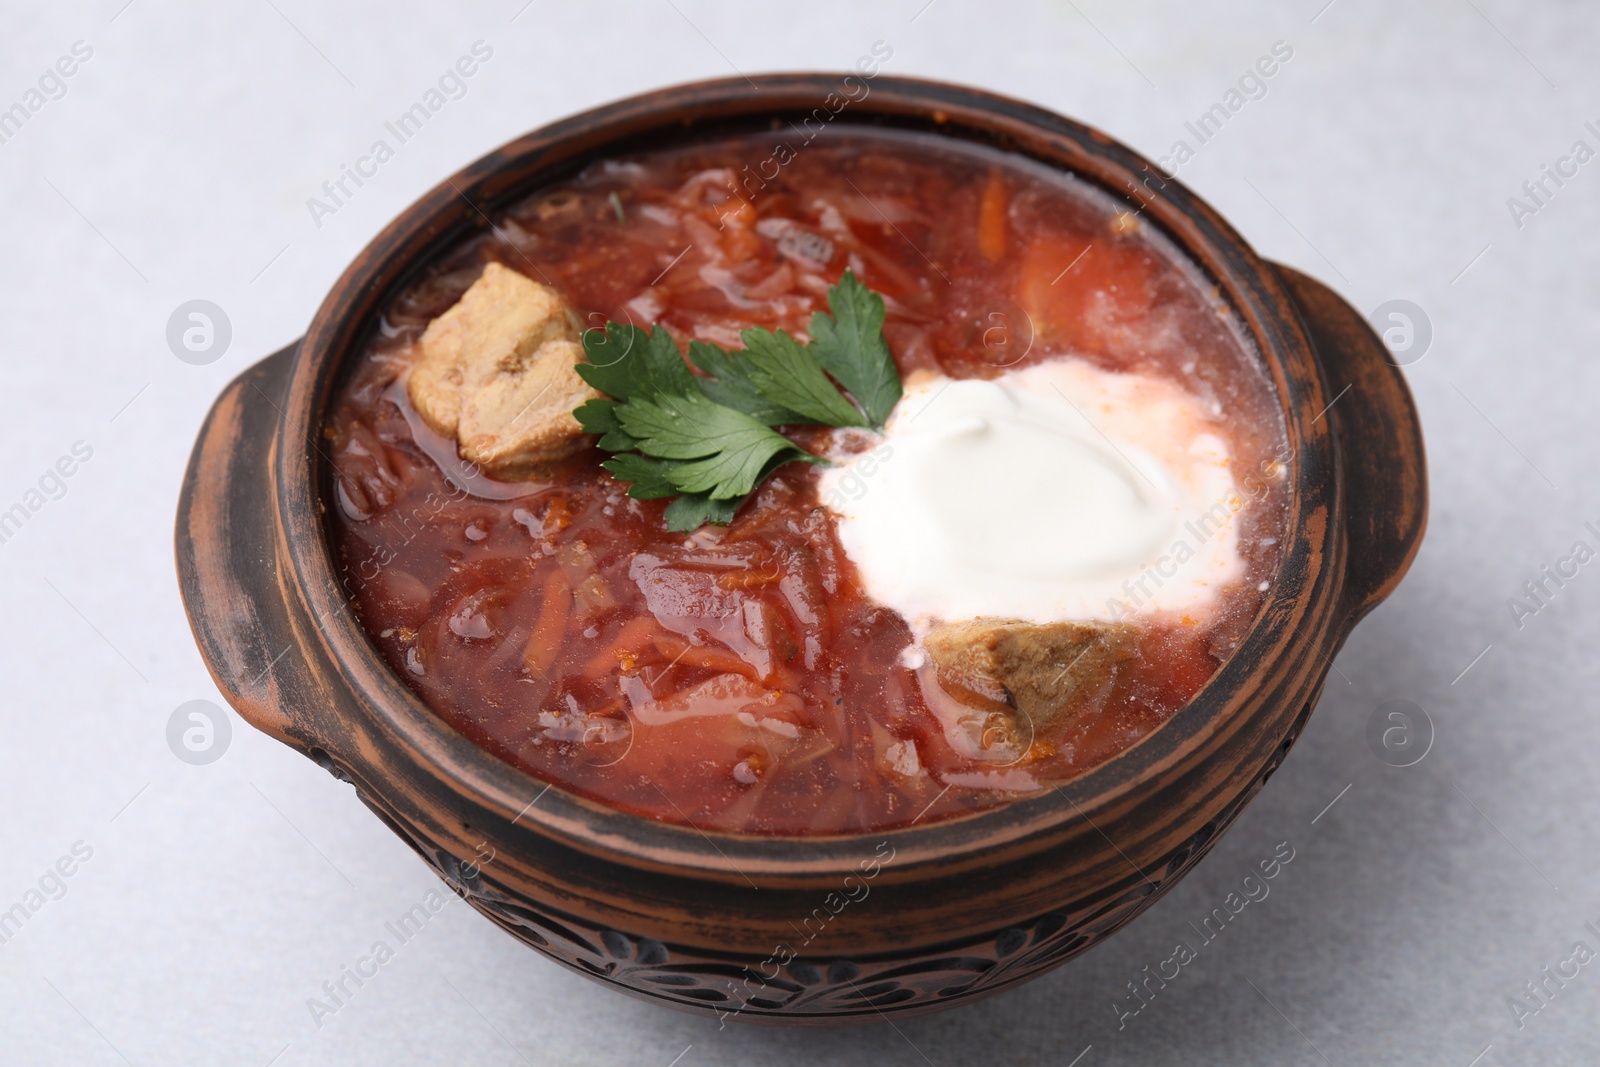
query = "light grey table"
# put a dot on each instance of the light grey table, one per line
(208, 903)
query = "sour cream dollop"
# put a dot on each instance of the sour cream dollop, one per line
(1055, 492)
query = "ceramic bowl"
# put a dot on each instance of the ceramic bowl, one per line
(819, 929)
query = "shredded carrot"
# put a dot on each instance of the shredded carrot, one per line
(707, 656)
(630, 641)
(992, 218)
(545, 642)
(750, 579)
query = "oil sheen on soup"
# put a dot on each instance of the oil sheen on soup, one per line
(1070, 521)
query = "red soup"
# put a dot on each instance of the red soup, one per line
(742, 677)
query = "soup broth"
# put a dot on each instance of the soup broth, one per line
(742, 678)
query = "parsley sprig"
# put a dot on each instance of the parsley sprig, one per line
(707, 439)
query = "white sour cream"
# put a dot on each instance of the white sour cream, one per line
(1055, 492)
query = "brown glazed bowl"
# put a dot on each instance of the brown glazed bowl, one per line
(816, 929)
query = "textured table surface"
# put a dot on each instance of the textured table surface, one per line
(207, 903)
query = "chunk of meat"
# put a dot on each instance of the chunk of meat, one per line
(1038, 672)
(497, 374)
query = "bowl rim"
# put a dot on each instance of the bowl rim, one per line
(1309, 571)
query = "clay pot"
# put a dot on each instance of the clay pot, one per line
(820, 929)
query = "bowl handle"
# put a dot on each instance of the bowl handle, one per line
(1380, 442)
(228, 569)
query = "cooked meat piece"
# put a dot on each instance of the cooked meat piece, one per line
(521, 420)
(1040, 673)
(497, 374)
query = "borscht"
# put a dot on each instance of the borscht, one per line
(808, 491)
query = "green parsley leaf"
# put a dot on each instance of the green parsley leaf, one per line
(706, 439)
(684, 427)
(693, 510)
(731, 386)
(625, 362)
(733, 472)
(786, 373)
(600, 417)
(729, 450)
(849, 344)
(649, 476)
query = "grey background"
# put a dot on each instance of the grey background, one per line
(220, 897)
